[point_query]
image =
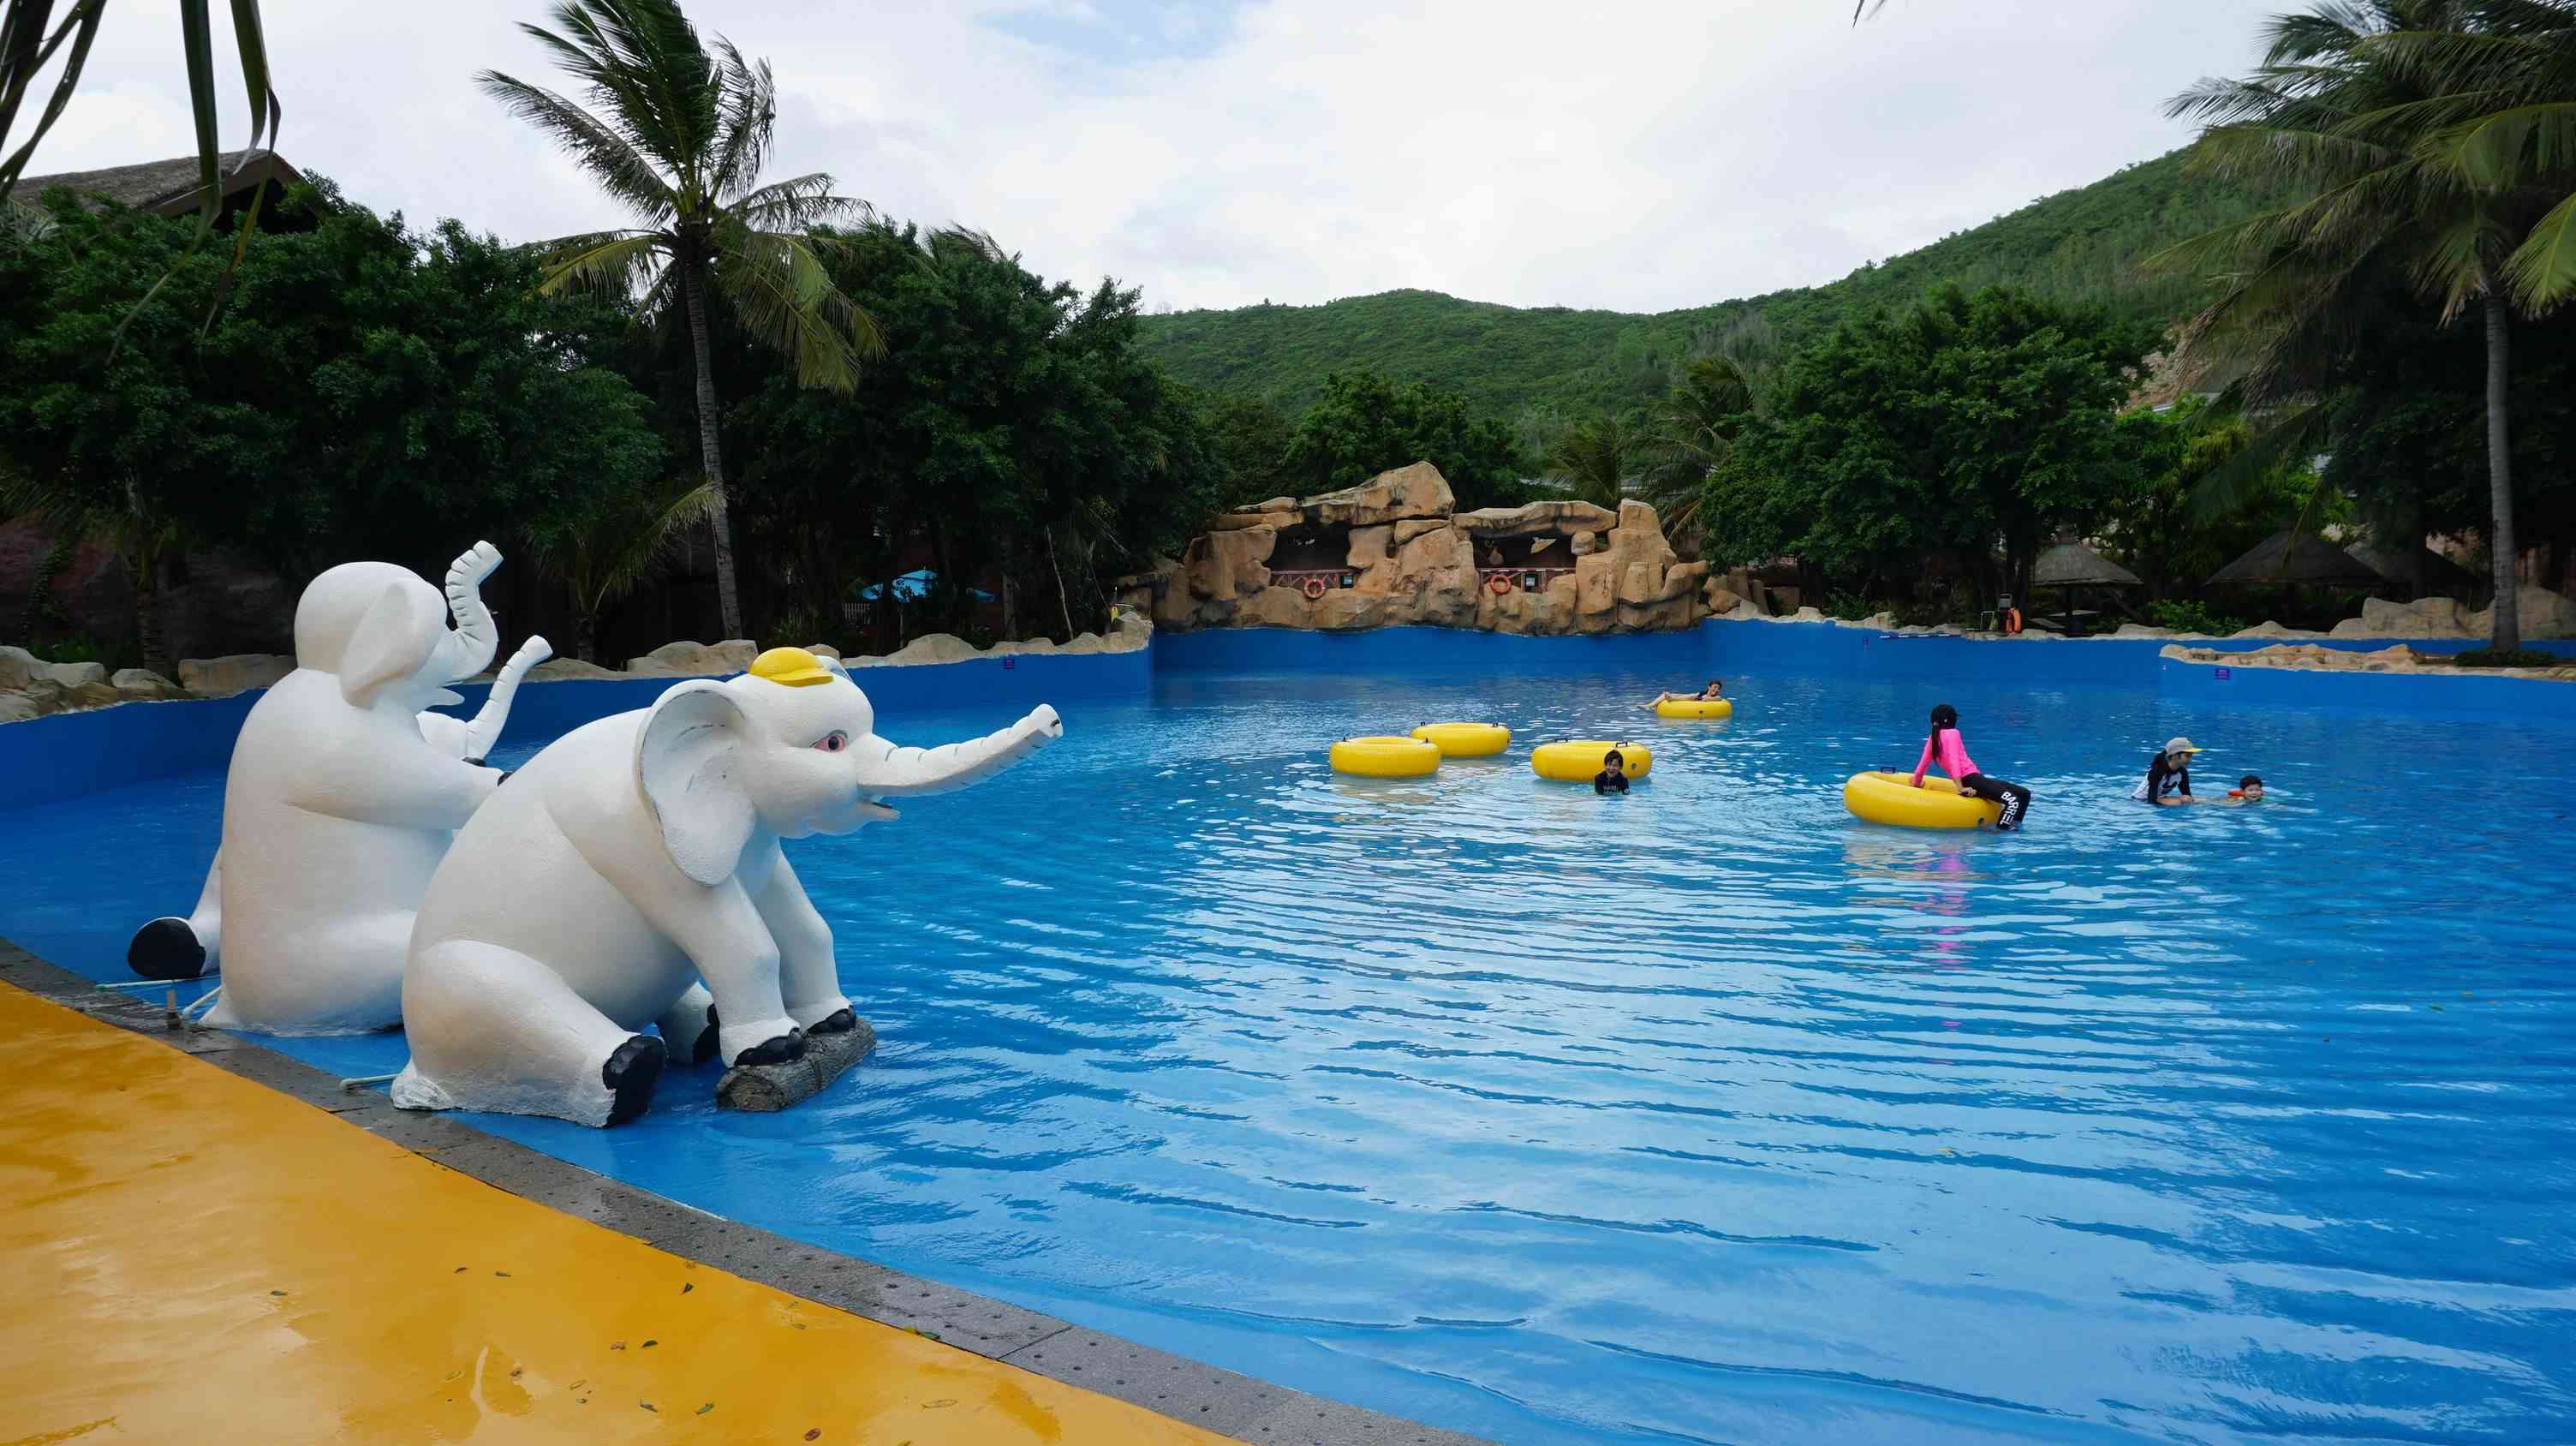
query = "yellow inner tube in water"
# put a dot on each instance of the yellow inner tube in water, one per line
(1465, 740)
(1385, 757)
(1695, 708)
(1577, 761)
(1893, 798)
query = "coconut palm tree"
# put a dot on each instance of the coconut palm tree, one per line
(2333, 115)
(31, 38)
(2512, 66)
(605, 550)
(677, 134)
(1594, 459)
(1691, 432)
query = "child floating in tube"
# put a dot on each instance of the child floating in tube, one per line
(1613, 777)
(1951, 752)
(1715, 690)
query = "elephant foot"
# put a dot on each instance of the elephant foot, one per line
(840, 1021)
(630, 1075)
(706, 1046)
(166, 949)
(785, 1047)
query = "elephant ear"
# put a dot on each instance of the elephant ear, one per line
(393, 640)
(687, 758)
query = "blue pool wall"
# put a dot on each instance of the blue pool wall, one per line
(67, 755)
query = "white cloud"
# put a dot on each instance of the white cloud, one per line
(1638, 156)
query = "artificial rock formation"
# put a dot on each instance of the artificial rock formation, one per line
(1412, 558)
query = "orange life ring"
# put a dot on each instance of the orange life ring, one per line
(1314, 588)
(1499, 584)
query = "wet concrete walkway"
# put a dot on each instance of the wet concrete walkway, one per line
(189, 1256)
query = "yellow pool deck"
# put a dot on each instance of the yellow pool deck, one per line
(191, 1257)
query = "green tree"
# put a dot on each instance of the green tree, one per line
(2338, 114)
(1251, 435)
(604, 545)
(1366, 423)
(371, 392)
(677, 135)
(1969, 424)
(1692, 432)
(1014, 431)
(1594, 460)
(2173, 529)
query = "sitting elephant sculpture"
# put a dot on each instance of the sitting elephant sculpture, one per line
(341, 799)
(638, 855)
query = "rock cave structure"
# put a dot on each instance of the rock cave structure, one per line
(1395, 550)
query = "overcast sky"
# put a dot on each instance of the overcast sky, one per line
(1640, 156)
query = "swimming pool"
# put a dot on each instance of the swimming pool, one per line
(1703, 1114)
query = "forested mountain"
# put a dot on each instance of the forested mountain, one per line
(2082, 246)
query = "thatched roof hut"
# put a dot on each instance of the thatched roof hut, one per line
(2072, 564)
(2300, 558)
(170, 188)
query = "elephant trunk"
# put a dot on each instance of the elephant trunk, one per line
(894, 772)
(477, 639)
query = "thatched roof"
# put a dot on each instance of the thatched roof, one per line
(166, 187)
(2297, 557)
(2072, 564)
(2390, 564)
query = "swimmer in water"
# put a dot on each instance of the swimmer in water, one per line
(1715, 690)
(2169, 774)
(1613, 777)
(2248, 789)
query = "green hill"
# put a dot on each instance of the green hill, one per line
(2081, 245)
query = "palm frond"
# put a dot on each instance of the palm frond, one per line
(748, 104)
(612, 263)
(2511, 146)
(611, 159)
(799, 204)
(2542, 270)
(784, 296)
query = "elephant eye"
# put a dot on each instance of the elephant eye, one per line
(833, 742)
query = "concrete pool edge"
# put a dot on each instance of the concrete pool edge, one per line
(1183, 1390)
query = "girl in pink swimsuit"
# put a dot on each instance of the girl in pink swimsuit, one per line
(1946, 748)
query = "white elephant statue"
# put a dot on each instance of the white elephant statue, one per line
(342, 796)
(639, 855)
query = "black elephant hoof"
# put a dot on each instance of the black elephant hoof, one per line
(630, 1075)
(785, 1047)
(705, 1048)
(840, 1021)
(166, 949)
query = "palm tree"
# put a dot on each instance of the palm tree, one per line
(678, 136)
(2334, 114)
(1594, 459)
(1691, 432)
(606, 550)
(2513, 66)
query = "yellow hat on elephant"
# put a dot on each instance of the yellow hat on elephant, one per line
(794, 667)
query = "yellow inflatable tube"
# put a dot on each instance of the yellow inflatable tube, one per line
(1893, 798)
(1385, 757)
(1577, 761)
(1695, 708)
(1465, 740)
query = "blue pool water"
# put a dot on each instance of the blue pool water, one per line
(1709, 1114)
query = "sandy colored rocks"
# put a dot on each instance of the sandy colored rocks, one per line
(1369, 546)
(557, 670)
(1412, 527)
(1415, 491)
(696, 660)
(233, 673)
(2398, 658)
(1557, 517)
(1223, 566)
(931, 648)
(2432, 617)
(141, 685)
(2542, 613)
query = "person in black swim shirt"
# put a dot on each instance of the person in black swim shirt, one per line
(2168, 774)
(1613, 777)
